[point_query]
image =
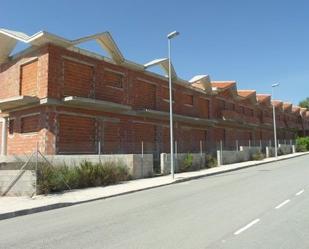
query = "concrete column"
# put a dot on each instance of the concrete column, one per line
(219, 159)
(4, 137)
(267, 152)
(293, 149)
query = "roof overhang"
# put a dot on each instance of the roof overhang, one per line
(202, 82)
(164, 64)
(95, 104)
(9, 38)
(17, 102)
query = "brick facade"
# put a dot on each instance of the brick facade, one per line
(203, 117)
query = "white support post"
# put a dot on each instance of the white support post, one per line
(267, 152)
(221, 153)
(219, 157)
(4, 136)
(99, 147)
(142, 170)
(293, 149)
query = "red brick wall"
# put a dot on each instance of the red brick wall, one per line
(76, 134)
(204, 107)
(146, 133)
(20, 143)
(29, 79)
(135, 90)
(30, 124)
(11, 74)
(111, 138)
(144, 95)
(78, 79)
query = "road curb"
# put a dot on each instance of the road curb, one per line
(67, 204)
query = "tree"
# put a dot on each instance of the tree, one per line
(304, 103)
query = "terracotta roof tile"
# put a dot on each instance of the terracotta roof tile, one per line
(245, 93)
(262, 98)
(295, 109)
(287, 106)
(223, 84)
(277, 103)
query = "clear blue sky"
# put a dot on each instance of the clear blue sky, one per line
(256, 43)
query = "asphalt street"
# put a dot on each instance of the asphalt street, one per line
(259, 207)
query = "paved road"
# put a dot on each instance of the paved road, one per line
(260, 207)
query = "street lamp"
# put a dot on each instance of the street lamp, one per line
(274, 119)
(170, 36)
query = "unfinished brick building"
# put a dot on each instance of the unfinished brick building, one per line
(67, 100)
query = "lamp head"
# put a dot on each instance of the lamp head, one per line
(274, 85)
(172, 34)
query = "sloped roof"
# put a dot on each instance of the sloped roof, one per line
(223, 84)
(287, 106)
(303, 111)
(9, 38)
(277, 103)
(163, 63)
(295, 109)
(201, 82)
(264, 98)
(246, 93)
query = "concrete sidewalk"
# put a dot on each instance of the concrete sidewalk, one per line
(16, 206)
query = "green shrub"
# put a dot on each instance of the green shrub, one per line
(59, 178)
(302, 144)
(187, 163)
(211, 161)
(258, 156)
(280, 152)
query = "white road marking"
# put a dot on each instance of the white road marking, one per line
(300, 192)
(282, 204)
(247, 226)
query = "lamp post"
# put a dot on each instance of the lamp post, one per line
(274, 119)
(170, 36)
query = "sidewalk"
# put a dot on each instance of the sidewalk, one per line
(16, 206)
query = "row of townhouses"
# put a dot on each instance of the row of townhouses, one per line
(66, 100)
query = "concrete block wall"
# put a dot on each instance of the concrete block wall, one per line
(24, 185)
(229, 157)
(165, 161)
(139, 166)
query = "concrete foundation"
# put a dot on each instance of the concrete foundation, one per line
(17, 182)
(244, 154)
(139, 165)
